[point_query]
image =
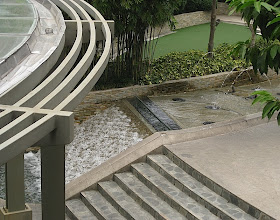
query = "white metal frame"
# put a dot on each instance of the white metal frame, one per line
(43, 115)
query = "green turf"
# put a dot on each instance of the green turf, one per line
(196, 37)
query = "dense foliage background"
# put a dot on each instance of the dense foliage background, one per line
(265, 15)
(134, 23)
(194, 5)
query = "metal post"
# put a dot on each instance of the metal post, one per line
(53, 182)
(15, 184)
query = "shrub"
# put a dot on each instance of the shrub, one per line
(178, 65)
(205, 5)
(195, 5)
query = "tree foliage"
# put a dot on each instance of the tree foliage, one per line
(133, 18)
(194, 5)
(265, 15)
(272, 104)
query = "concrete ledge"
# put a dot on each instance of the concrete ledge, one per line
(153, 144)
(175, 86)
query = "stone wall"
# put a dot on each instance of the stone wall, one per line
(222, 9)
(194, 18)
(186, 20)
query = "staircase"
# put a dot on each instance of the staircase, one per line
(155, 189)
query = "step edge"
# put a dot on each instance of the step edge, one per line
(70, 212)
(143, 204)
(113, 202)
(98, 211)
(220, 212)
(91, 207)
(160, 193)
(116, 205)
(232, 198)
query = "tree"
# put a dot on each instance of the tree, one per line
(132, 21)
(212, 29)
(264, 14)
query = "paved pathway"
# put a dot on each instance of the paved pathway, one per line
(231, 19)
(247, 163)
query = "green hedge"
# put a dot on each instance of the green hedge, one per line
(179, 65)
(194, 5)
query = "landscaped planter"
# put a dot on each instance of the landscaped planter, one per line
(174, 86)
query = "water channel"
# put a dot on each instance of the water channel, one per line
(114, 128)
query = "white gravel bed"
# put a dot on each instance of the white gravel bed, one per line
(104, 135)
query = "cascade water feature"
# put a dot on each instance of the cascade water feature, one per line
(153, 114)
(204, 107)
(102, 136)
(111, 131)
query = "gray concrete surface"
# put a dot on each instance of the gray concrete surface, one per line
(231, 19)
(245, 162)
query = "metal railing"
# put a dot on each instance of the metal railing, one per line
(40, 114)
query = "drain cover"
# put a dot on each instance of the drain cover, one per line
(208, 122)
(213, 107)
(251, 97)
(178, 100)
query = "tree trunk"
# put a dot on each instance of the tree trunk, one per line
(253, 36)
(212, 29)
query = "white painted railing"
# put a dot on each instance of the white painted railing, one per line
(40, 112)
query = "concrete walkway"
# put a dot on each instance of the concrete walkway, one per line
(231, 19)
(246, 162)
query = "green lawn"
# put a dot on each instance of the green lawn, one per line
(196, 37)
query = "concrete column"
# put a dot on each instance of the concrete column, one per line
(15, 207)
(15, 200)
(53, 182)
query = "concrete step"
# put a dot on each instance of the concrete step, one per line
(148, 199)
(218, 189)
(76, 209)
(100, 206)
(163, 187)
(128, 207)
(170, 193)
(206, 197)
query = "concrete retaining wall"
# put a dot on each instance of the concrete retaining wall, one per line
(174, 86)
(222, 9)
(194, 18)
(101, 99)
(185, 20)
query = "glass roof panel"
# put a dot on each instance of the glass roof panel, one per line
(16, 25)
(18, 19)
(14, 1)
(9, 43)
(25, 10)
